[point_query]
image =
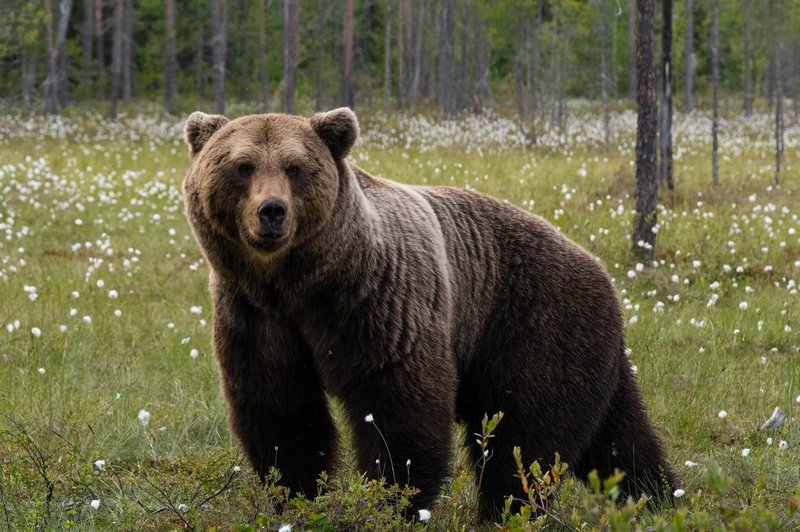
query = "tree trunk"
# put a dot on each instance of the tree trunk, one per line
(218, 48)
(64, 11)
(604, 70)
(28, 75)
(321, 20)
(688, 92)
(770, 58)
(347, 95)
(116, 61)
(100, 49)
(481, 72)
(632, 55)
(554, 67)
(461, 80)
(715, 91)
(87, 39)
(263, 73)
(387, 56)
(747, 91)
(51, 103)
(403, 17)
(644, 237)
(778, 13)
(446, 48)
(536, 86)
(242, 49)
(417, 56)
(170, 51)
(561, 115)
(56, 55)
(517, 72)
(291, 44)
(665, 172)
(127, 51)
(199, 53)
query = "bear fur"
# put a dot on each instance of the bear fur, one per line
(419, 305)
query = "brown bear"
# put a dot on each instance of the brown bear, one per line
(419, 306)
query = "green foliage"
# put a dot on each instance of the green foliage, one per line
(565, 33)
(551, 495)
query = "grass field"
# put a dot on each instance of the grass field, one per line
(105, 349)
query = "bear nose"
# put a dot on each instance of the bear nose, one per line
(272, 212)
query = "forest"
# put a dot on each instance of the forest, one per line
(535, 57)
(661, 136)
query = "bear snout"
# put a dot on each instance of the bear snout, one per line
(271, 214)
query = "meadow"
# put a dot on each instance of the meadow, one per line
(111, 416)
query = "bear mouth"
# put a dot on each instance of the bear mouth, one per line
(267, 240)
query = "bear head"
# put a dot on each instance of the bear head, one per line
(266, 182)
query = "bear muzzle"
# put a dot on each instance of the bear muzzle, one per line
(271, 215)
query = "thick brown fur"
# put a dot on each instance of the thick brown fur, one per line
(418, 305)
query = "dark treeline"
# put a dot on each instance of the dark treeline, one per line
(532, 55)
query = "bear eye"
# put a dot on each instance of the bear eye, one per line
(292, 171)
(245, 170)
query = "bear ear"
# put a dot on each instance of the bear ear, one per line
(199, 128)
(338, 129)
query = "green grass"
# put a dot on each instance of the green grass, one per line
(123, 182)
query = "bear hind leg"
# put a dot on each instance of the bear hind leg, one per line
(627, 441)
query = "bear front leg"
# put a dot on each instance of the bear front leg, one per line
(403, 421)
(278, 409)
